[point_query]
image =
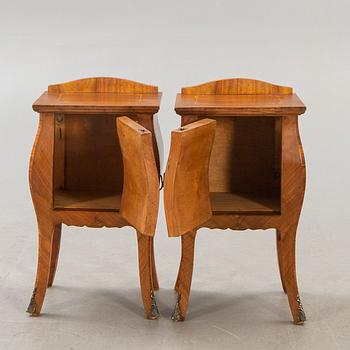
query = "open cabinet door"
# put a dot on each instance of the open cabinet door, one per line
(140, 197)
(186, 183)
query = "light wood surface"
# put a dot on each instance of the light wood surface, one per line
(140, 198)
(238, 97)
(148, 281)
(237, 86)
(103, 85)
(242, 105)
(55, 251)
(232, 203)
(184, 277)
(76, 170)
(256, 171)
(244, 148)
(93, 102)
(87, 200)
(91, 147)
(186, 205)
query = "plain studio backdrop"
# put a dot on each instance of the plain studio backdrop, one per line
(236, 299)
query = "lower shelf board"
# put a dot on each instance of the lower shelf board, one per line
(86, 200)
(221, 202)
(241, 204)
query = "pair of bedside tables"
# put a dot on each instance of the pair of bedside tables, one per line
(236, 162)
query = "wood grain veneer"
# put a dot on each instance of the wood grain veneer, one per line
(256, 172)
(77, 176)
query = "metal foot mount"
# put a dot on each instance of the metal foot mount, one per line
(154, 308)
(301, 312)
(32, 304)
(176, 316)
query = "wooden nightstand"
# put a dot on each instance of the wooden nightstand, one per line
(241, 169)
(95, 163)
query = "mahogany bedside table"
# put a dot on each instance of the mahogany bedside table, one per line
(241, 169)
(95, 163)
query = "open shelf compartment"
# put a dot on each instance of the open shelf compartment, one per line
(245, 166)
(240, 204)
(88, 166)
(87, 200)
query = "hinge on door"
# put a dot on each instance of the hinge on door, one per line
(59, 125)
(161, 180)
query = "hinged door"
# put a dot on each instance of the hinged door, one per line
(140, 197)
(186, 185)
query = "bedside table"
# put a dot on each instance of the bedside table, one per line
(237, 162)
(95, 163)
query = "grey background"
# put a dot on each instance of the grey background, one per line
(236, 299)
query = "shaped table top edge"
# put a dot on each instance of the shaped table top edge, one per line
(239, 105)
(95, 103)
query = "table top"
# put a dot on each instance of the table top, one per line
(97, 102)
(239, 105)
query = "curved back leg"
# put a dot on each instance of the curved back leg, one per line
(55, 251)
(279, 247)
(154, 270)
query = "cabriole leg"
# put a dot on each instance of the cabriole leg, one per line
(286, 241)
(280, 257)
(184, 279)
(56, 243)
(46, 231)
(154, 270)
(145, 271)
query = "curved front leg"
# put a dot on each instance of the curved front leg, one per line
(41, 187)
(288, 272)
(145, 270)
(293, 188)
(184, 278)
(46, 232)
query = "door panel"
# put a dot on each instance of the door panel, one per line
(186, 184)
(140, 197)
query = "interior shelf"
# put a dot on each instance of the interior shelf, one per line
(87, 200)
(88, 166)
(232, 203)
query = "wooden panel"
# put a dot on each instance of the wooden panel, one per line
(221, 165)
(76, 165)
(115, 85)
(236, 86)
(282, 152)
(293, 187)
(87, 200)
(244, 157)
(59, 152)
(147, 121)
(140, 198)
(93, 155)
(236, 204)
(41, 166)
(92, 102)
(253, 157)
(186, 186)
(239, 105)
